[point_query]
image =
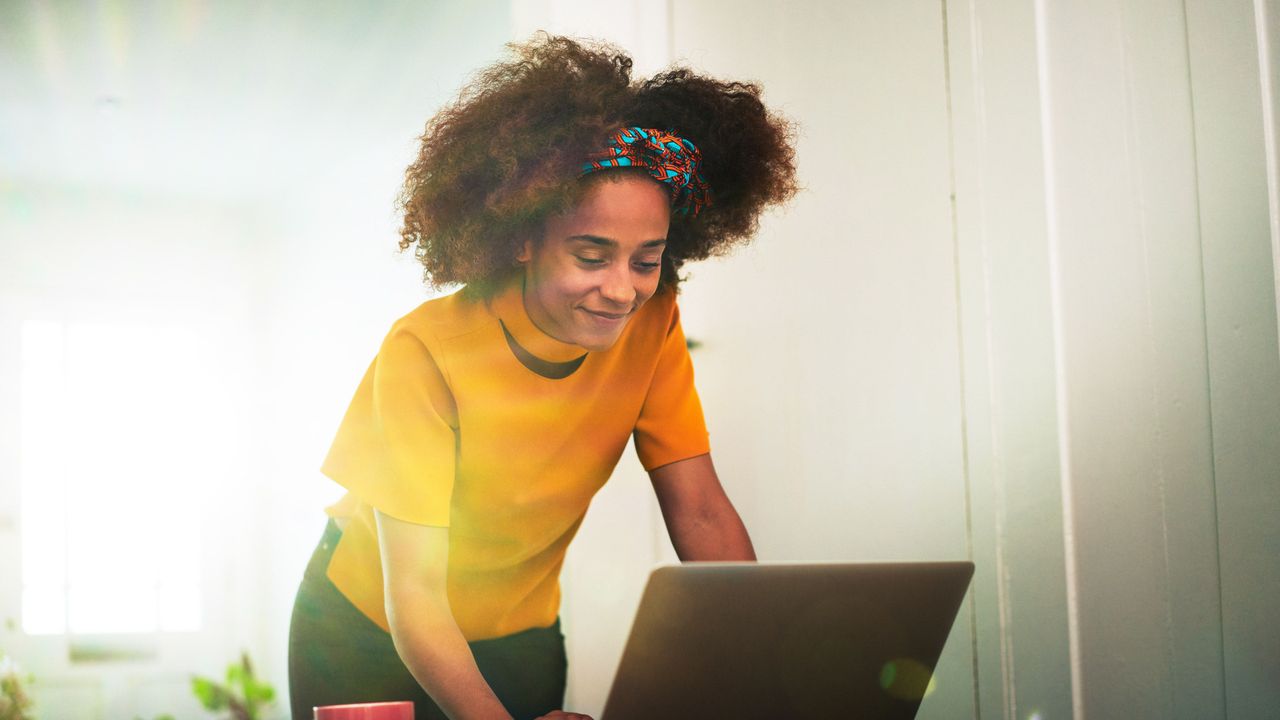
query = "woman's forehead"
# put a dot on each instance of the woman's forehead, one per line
(629, 200)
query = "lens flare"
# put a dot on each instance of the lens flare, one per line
(907, 679)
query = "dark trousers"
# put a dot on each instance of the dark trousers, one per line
(339, 656)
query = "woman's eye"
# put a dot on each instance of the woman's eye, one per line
(645, 266)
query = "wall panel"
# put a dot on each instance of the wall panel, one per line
(1019, 600)
(1244, 360)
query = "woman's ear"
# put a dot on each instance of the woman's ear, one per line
(525, 253)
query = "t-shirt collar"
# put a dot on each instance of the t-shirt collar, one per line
(508, 305)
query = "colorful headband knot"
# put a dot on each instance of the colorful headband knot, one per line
(669, 158)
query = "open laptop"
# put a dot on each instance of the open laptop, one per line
(747, 640)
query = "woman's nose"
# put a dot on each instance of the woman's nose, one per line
(617, 287)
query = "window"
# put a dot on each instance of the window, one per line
(116, 423)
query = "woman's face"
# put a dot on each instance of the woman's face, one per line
(598, 263)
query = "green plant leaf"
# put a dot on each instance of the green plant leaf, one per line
(257, 691)
(243, 695)
(210, 694)
(235, 675)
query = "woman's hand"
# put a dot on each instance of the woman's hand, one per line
(562, 715)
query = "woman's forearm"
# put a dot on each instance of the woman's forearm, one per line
(435, 652)
(701, 520)
(716, 533)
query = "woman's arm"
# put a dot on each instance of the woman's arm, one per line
(414, 563)
(700, 519)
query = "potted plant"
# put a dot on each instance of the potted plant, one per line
(15, 704)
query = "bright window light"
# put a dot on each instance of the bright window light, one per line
(116, 425)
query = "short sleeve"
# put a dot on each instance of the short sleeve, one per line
(671, 426)
(396, 446)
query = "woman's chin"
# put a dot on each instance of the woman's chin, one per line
(597, 344)
(598, 341)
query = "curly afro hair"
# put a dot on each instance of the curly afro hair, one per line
(507, 154)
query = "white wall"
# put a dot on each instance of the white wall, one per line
(1240, 317)
(1019, 601)
(1134, 399)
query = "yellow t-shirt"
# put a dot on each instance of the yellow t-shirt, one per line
(450, 428)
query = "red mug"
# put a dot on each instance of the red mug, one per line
(365, 711)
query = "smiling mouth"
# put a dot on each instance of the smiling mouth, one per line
(605, 315)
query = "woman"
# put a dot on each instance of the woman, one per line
(565, 198)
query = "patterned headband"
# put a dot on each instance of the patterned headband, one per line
(669, 158)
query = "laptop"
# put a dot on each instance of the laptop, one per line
(782, 641)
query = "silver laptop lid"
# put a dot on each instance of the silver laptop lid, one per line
(747, 640)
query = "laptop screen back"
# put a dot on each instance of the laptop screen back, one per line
(745, 640)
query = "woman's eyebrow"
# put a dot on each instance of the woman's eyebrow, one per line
(609, 242)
